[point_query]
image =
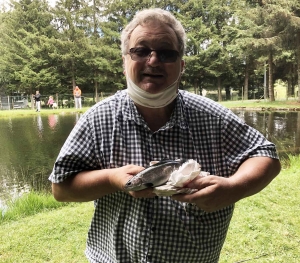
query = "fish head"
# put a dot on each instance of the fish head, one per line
(136, 184)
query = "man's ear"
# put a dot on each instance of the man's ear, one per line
(124, 66)
(182, 66)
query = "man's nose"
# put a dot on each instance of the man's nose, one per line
(153, 58)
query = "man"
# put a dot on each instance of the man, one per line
(37, 99)
(152, 120)
(77, 97)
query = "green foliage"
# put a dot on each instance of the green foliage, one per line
(78, 43)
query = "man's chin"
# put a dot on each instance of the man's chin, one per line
(153, 88)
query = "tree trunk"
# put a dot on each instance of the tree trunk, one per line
(96, 91)
(298, 63)
(228, 93)
(219, 90)
(195, 86)
(297, 139)
(288, 89)
(246, 82)
(265, 82)
(289, 83)
(271, 86)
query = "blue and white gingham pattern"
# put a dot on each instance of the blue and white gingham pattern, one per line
(113, 134)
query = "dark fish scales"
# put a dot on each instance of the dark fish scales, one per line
(155, 175)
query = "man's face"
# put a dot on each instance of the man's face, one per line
(152, 75)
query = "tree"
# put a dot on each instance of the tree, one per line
(25, 32)
(207, 56)
(70, 22)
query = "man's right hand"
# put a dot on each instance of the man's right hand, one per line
(91, 185)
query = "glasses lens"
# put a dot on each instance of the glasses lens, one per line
(167, 55)
(164, 55)
(139, 53)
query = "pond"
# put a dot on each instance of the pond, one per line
(30, 145)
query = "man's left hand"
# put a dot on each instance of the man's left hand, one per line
(214, 193)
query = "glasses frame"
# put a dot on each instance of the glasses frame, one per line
(159, 54)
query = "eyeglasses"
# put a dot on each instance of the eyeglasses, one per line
(141, 54)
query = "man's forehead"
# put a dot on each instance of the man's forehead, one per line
(146, 34)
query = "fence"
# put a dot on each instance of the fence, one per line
(61, 100)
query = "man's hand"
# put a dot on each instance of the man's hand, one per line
(214, 193)
(91, 185)
(123, 174)
(118, 177)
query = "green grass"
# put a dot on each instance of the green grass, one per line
(265, 227)
(52, 236)
(28, 112)
(30, 204)
(261, 104)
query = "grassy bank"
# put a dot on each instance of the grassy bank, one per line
(28, 112)
(30, 204)
(265, 227)
(250, 104)
(263, 105)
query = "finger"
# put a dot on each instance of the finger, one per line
(201, 182)
(145, 193)
(134, 169)
(188, 198)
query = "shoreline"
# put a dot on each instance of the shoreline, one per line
(250, 105)
(264, 108)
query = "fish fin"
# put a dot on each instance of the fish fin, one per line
(162, 161)
(148, 185)
(153, 163)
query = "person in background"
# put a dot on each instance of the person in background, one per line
(77, 97)
(37, 99)
(153, 120)
(50, 102)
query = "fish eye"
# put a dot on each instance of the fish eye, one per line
(128, 183)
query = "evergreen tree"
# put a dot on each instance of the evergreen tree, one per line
(71, 23)
(24, 40)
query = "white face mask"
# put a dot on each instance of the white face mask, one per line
(149, 100)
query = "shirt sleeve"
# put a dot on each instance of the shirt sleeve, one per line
(77, 153)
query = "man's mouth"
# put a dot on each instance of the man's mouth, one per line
(152, 76)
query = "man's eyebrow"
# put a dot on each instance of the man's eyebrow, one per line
(163, 44)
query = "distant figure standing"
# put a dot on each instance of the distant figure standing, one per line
(37, 99)
(50, 102)
(77, 97)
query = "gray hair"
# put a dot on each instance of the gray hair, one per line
(147, 16)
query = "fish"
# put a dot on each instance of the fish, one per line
(155, 175)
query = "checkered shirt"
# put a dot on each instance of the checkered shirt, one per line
(124, 229)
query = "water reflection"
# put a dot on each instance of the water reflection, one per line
(52, 121)
(28, 149)
(281, 128)
(30, 145)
